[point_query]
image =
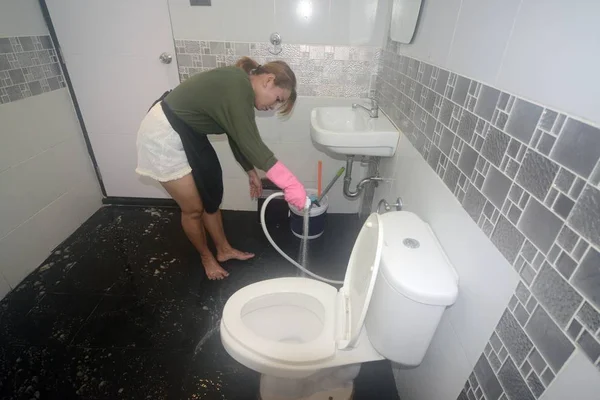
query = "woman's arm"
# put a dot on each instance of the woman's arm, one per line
(239, 123)
(253, 179)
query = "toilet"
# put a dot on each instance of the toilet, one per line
(308, 338)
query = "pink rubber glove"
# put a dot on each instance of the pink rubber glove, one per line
(293, 190)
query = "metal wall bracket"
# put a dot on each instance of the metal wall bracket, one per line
(387, 207)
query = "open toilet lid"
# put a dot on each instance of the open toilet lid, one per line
(360, 277)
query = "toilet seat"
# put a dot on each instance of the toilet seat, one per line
(341, 339)
(268, 292)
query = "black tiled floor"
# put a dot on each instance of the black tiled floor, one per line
(123, 310)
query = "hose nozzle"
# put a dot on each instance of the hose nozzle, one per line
(308, 203)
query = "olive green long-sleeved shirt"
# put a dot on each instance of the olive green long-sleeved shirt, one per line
(222, 101)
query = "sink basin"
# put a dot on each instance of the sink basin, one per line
(344, 130)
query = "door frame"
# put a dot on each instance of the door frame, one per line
(88, 144)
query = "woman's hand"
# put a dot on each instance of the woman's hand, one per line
(255, 184)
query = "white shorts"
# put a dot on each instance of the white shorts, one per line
(159, 148)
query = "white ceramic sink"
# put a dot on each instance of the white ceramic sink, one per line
(345, 130)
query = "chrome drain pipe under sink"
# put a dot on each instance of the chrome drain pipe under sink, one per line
(363, 182)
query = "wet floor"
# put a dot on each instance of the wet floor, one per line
(123, 310)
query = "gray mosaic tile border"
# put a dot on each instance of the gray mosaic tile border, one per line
(528, 176)
(340, 71)
(28, 67)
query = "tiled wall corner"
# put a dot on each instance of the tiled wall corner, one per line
(528, 176)
(339, 71)
(28, 67)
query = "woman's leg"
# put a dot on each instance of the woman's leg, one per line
(184, 192)
(214, 226)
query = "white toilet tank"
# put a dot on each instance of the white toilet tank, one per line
(415, 284)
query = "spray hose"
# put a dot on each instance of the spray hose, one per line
(264, 226)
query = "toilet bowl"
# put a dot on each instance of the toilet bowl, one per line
(286, 327)
(299, 331)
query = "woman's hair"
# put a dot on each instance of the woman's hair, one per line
(284, 77)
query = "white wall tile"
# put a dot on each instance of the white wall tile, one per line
(388, 166)
(236, 195)
(300, 158)
(442, 373)
(479, 264)
(368, 22)
(270, 125)
(295, 128)
(21, 18)
(434, 33)
(47, 185)
(479, 308)
(201, 22)
(314, 27)
(354, 22)
(578, 379)
(338, 203)
(33, 184)
(358, 22)
(249, 21)
(388, 169)
(28, 245)
(479, 55)
(332, 165)
(552, 58)
(382, 192)
(49, 156)
(30, 136)
(231, 20)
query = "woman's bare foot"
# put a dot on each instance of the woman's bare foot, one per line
(213, 270)
(232, 254)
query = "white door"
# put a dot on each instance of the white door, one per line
(111, 49)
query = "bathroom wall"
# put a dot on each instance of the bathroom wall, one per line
(501, 136)
(332, 46)
(47, 184)
(540, 50)
(324, 22)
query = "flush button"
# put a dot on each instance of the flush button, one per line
(411, 243)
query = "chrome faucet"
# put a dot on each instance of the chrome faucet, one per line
(373, 111)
